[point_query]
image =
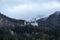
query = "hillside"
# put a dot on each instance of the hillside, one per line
(47, 29)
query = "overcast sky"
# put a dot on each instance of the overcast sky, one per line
(28, 9)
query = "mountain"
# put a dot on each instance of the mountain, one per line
(52, 23)
(9, 22)
(48, 28)
(53, 19)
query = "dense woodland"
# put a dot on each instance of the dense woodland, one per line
(27, 33)
(47, 29)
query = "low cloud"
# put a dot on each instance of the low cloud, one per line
(28, 10)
